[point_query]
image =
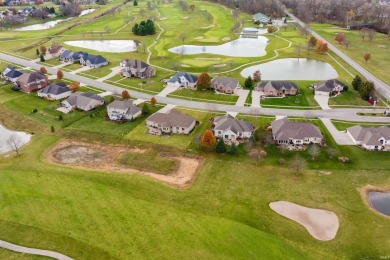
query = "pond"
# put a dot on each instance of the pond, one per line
(87, 11)
(293, 69)
(380, 201)
(48, 25)
(113, 46)
(242, 47)
(40, 26)
(19, 139)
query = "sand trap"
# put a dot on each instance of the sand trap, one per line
(207, 27)
(163, 18)
(185, 66)
(226, 39)
(321, 224)
(103, 157)
(199, 38)
(207, 58)
(381, 46)
(185, 18)
(219, 65)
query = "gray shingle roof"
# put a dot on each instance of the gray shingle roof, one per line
(67, 54)
(328, 86)
(10, 72)
(135, 64)
(190, 78)
(371, 135)
(172, 119)
(279, 85)
(31, 77)
(226, 81)
(83, 98)
(228, 122)
(127, 105)
(55, 88)
(284, 129)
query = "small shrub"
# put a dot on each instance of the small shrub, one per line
(344, 159)
(60, 117)
(52, 129)
(282, 161)
(35, 110)
(263, 153)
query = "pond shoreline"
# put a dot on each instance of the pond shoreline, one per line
(364, 191)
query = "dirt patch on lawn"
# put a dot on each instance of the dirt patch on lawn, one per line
(219, 65)
(207, 27)
(226, 39)
(103, 157)
(185, 18)
(199, 38)
(163, 18)
(185, 65)
(381, 46)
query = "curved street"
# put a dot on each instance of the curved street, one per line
(380, 86)
(344, 114)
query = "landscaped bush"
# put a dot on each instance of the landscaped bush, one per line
(282, 161)
(35, 110)
(263, 153)
(344, 159)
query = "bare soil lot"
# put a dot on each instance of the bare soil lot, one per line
(103, 157)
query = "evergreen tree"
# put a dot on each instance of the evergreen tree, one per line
(365, 89)
(42, 58)
(135, 3)
(357, 82)
(249, 82)
(145, 109)
(52, 129)
(233, 149)
(37, 52)
(220, 148)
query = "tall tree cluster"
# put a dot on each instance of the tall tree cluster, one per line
(144, 28)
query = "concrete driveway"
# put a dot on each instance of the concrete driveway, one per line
(322, 101)
(256, 98)
(242, 95)
(340, 137)
(114, 71)
(167, 90)
(84, 68)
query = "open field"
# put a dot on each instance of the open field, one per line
(379, 48)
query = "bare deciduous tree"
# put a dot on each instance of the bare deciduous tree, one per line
(14, 142)
(314, 151)
(298, 164)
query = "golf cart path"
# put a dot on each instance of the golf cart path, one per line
(33, 251)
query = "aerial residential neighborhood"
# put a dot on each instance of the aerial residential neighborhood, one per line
(181, 129)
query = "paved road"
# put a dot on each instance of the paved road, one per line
(33, 251)
(339, 114)
(380, 86)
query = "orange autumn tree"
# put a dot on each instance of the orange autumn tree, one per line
(43, 70)
(319, 45)
(60, 74)
(208, 139)
(125, 94)
(74, 86)
(367, 57)
(153, 101)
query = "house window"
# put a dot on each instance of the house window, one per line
(226, 137)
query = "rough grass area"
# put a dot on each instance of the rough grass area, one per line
(149, 161)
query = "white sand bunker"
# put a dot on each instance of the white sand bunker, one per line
(210, 26)
(199, 38)
(321, 224)
(185, 65)
(207, 58)
(226, 39)
(219, 65)
(163, 18)
(185, 18)
(382, 46)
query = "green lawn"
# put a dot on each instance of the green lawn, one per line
(142, 161)
(204, 95)
(379, 48)
(343, 125)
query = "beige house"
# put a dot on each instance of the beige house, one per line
(277, 88)
(172, 122)
(370, 138)
(229, 128)
(285, 132)
(225, 85)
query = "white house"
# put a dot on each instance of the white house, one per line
(85, 101)
(183, 79)
(55, 91)
(370, 138)
(329, 88)
(172, 122)
(285, 132)
(229, 128)
(10, 74)
(123, 110)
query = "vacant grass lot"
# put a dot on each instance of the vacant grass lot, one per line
(379, 48)
(204, 95)
(142, 161)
